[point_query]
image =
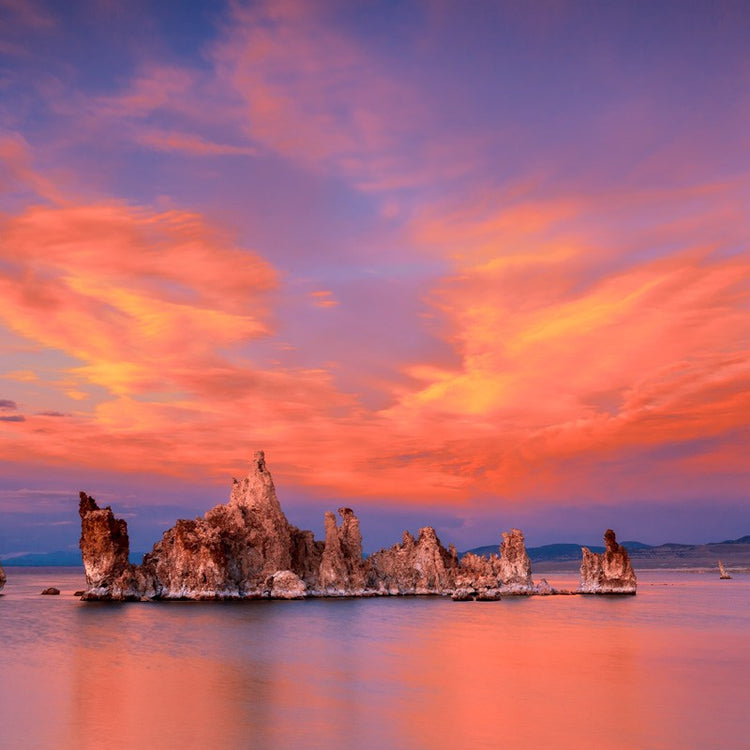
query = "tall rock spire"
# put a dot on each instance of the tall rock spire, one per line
(104, 543)
(607, 573)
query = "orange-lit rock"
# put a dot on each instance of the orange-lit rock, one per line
(248, 549)
(284, 584)
(514, 566)
(416, 566)
(342, 570)
(488, 578)
(609, 572)
(104, 546)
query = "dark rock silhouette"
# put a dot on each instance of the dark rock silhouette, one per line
(3, 577)
(609, 572)
(248, 549)
(51, 591)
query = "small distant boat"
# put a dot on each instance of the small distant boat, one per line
(723, 572)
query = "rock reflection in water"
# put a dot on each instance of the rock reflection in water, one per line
(563, 672)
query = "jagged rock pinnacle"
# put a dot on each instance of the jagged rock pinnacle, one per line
(248, 549)
(607, 573)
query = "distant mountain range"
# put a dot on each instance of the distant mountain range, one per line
(68, 558)
(734, 553)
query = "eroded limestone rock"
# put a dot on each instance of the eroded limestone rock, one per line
(416, 566)
(609, 572)
(248, 549)
(104, 545)
(342, 571)
(514, 565)
(488, 578)
(284, 584)
(229, 553)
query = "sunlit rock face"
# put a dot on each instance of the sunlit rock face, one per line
(284, 584)
(342, 571)
(233, 549)
(248, 549)
(233, 552)
(514, 565)
(416, 566)
(254, 504)
(489, 578)
(104, 545)
(3, 578)
(609, 572)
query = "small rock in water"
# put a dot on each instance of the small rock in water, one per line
(489, 595)
(285, 584)
(464, 595)
(79, 593)
(51, 591)
(543, 588)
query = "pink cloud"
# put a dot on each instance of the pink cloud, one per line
(571, 368)
(312, 93)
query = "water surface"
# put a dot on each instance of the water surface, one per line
(664, 669)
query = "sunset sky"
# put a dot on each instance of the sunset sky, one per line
(468, 264)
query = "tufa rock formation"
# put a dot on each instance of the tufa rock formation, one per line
(609, 572)
(248, 549)
(490, 578)
(342, 572)
(104, 544)
(416, 566)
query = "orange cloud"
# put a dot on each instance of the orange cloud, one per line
(576, 371)
(323, 298)
(571, 352)
(136, 296)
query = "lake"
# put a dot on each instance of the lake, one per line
(665, 669)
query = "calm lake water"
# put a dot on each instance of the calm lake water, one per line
(668, 668)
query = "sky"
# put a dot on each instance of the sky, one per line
(472, 265)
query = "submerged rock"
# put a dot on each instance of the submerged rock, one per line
(464, 594)
(609, 572)
(51, 591)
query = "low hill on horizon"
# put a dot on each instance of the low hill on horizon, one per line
(69, 558)
(734, 553)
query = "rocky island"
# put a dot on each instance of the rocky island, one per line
(247, 549)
